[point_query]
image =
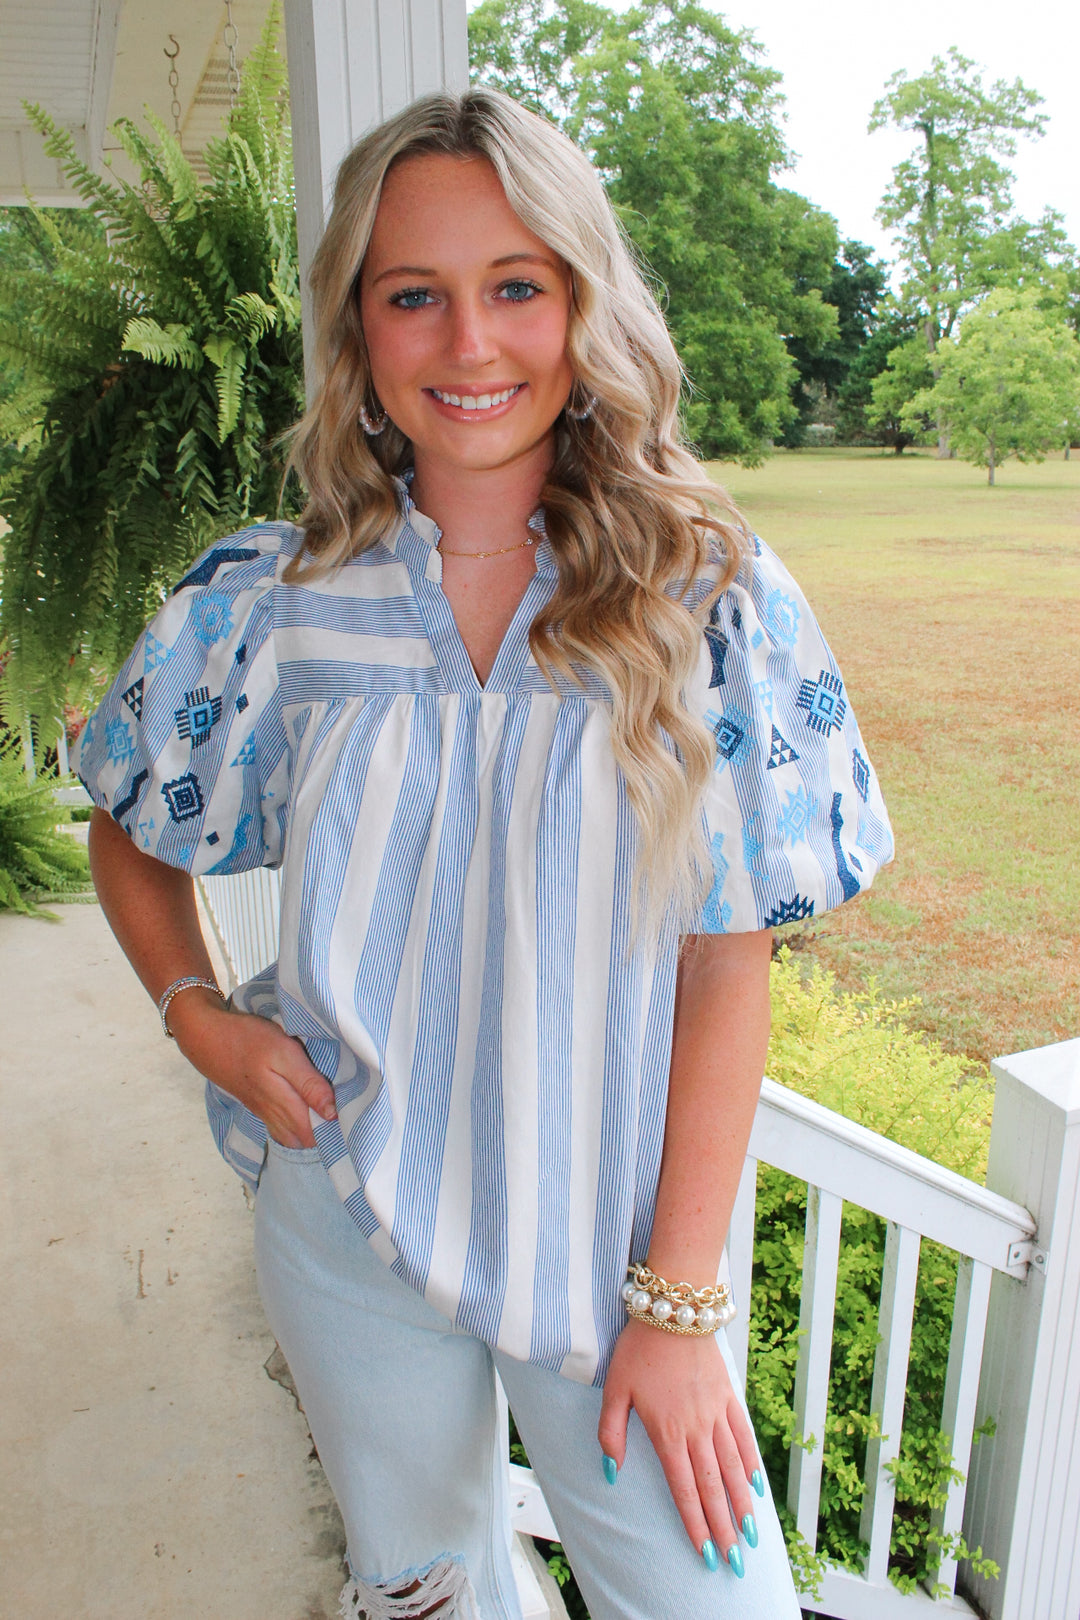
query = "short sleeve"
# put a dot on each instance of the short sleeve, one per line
(188, 751)
(795, 821)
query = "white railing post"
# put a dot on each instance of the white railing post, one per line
(817, 1305)
(1023, 1498)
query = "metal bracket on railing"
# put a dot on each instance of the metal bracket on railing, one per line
(1027, 1253)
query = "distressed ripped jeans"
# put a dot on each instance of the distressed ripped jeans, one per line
(402, 1408)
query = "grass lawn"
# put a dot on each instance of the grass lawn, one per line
(954, 611)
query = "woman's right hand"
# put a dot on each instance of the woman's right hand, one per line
(255, 1062)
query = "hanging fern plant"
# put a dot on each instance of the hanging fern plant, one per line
(156, 346)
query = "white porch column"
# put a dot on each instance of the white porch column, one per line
(353, 63)
(1023, 1499)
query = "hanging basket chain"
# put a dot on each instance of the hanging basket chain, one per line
(232, 41)
(174, 83)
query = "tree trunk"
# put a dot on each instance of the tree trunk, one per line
(990, 476)
(944, 449)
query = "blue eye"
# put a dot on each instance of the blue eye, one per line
(411, 298)
(519, 292)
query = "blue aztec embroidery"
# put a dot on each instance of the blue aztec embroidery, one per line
(156, 653)
(247, 753)
(183, 797)
(716, 913)
(241, 653)
(765, 694)
(823, 702)
(733, 731)
(213, 838)
(797, 909)
(871, 836)
(781, 617)
(241, 703)
(238, 845)
(146, 828)
(118, 740)
(134, 695)
(795, 817)
(718, 649)
(848, 881)
(122, 806)
(211, 617)
(860, 774)
(780, 752)
(204, 573)
(757, 638)
(753, 844)
(199, 715)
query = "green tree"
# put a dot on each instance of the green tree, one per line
(857, 418)
(1009, 384)
(854, 289)
(908, 369)
(681, 116)
(155, 343)
(950, 201)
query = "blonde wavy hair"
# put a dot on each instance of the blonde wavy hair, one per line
(644, 541)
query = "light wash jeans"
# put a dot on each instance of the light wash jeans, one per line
(402, 1408)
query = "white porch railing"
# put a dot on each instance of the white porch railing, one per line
(1013, 1354)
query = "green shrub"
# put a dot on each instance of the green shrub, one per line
(856, 1054)
(37, 863)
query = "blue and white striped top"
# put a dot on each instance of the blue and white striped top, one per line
(456, 950)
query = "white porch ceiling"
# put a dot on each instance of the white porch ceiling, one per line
(90, 62)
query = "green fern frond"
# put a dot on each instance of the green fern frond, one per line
(59, 144)
(251, 315)
(172, 345)
(183, 182)
(228, 378)
(288, 302)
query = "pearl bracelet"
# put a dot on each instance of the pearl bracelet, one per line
(676, 1307)
(192, 982)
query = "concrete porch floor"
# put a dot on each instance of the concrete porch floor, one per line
(153, 1468)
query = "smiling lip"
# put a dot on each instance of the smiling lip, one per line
(478, 404)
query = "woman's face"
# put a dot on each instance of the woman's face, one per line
(465, 316)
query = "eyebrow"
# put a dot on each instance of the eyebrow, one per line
(496, 264)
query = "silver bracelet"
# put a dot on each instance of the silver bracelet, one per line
(191, 982)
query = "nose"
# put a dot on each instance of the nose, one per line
(471, 335)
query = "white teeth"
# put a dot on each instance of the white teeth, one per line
(477, 402)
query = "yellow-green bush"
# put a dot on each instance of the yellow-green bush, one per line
(858, 1055)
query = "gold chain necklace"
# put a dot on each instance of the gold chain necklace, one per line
(502, 551)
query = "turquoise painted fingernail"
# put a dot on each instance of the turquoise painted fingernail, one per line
(734, 1558)
(749, 1530)
(611, 1469)
(757, 1482)
(709, 1553)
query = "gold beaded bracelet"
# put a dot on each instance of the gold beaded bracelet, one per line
(676, 1307)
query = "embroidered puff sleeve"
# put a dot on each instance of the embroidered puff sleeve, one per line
(794, 816)
(188, 752)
